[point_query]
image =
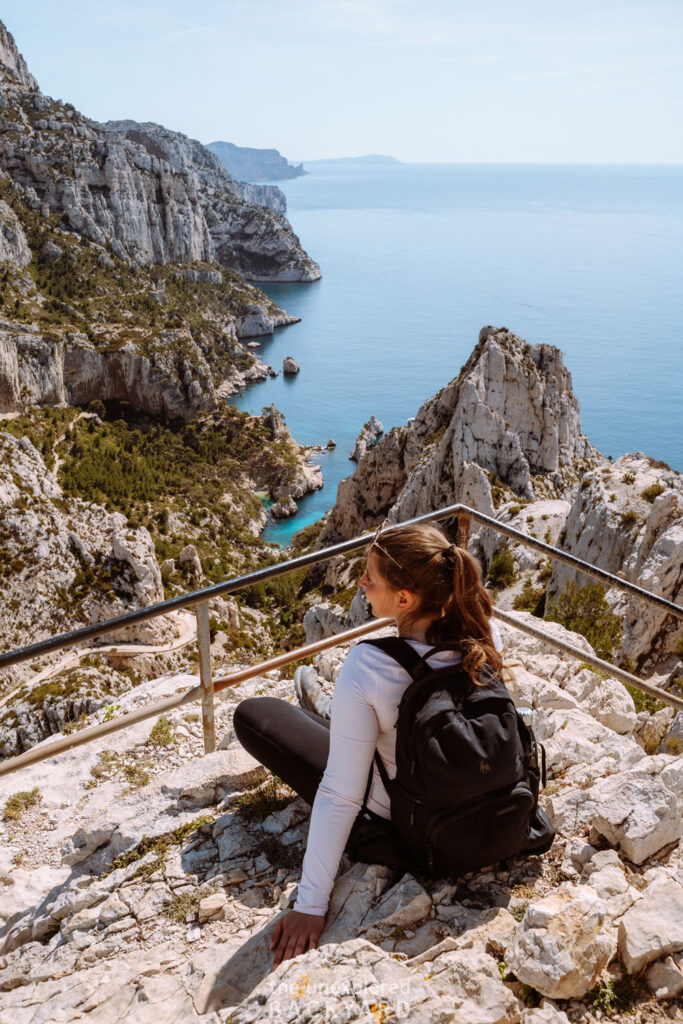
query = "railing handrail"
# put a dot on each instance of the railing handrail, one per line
(208, 687)
(44, 751)
(236, 583)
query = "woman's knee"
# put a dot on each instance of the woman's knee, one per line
(252, 713)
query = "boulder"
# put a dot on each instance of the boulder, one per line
(211, 907)
(561, 946)
(290, 367)
(471, 979)
(323, 620)
(653, 927)
(350, 981)
(665, 978)
(636, 814)
(188, 557)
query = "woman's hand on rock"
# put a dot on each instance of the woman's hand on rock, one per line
(295, 933)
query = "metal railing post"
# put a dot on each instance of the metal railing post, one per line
(204, 644)
(463, 530)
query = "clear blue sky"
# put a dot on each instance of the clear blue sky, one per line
(587, 81)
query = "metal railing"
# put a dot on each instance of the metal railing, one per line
(199, 599)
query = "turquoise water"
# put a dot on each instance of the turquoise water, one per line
(415, 259)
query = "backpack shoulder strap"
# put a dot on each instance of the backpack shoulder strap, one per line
(400, 650)
(410, 660)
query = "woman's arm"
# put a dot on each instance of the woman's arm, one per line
(354, 730)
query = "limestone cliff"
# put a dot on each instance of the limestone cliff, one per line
(190, 158)
(507, 425)
(147, 193)
(627, 518)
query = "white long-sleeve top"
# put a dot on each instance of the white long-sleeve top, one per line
(363, 718)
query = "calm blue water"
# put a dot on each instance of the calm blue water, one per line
(416, 258)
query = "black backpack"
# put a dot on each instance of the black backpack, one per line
(468, 771)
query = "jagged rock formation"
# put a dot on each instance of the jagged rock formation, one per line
(628, 518)
(147, 193)
(368, 438)
(246, 164)
(509, 422)
(209, 854)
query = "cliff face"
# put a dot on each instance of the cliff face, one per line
(149, 194)
(627, 518)
(507, 425)
(189, 158)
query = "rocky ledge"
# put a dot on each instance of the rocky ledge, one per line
(157, 893)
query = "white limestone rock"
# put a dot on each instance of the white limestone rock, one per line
(189, 557)
(636, 814)
(211, 907)
(284, 508)
(579, 739)
(651, 730)
(640, 539)
(510, 413)
(290, 367)
(606, 700)
(546, 1013)
(543, 519)
(471, 979)
(350, 978)
(665, 978)
(653, 927)
(605, 874)
(322, 620)
(403, 906)
(368, 438)
(561, 945)
(14, 248)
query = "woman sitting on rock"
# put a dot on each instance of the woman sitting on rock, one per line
(433, 591)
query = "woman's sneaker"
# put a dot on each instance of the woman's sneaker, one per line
(310, 693)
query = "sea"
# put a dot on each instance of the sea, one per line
(416, 258)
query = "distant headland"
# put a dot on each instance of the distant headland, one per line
(245, 164)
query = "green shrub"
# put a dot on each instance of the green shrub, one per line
(501, 572)
(652, 492)
(20, 802)
(162, 734)
(585, 610)
(529, 598)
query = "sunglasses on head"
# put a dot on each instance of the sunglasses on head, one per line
(374, 543)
